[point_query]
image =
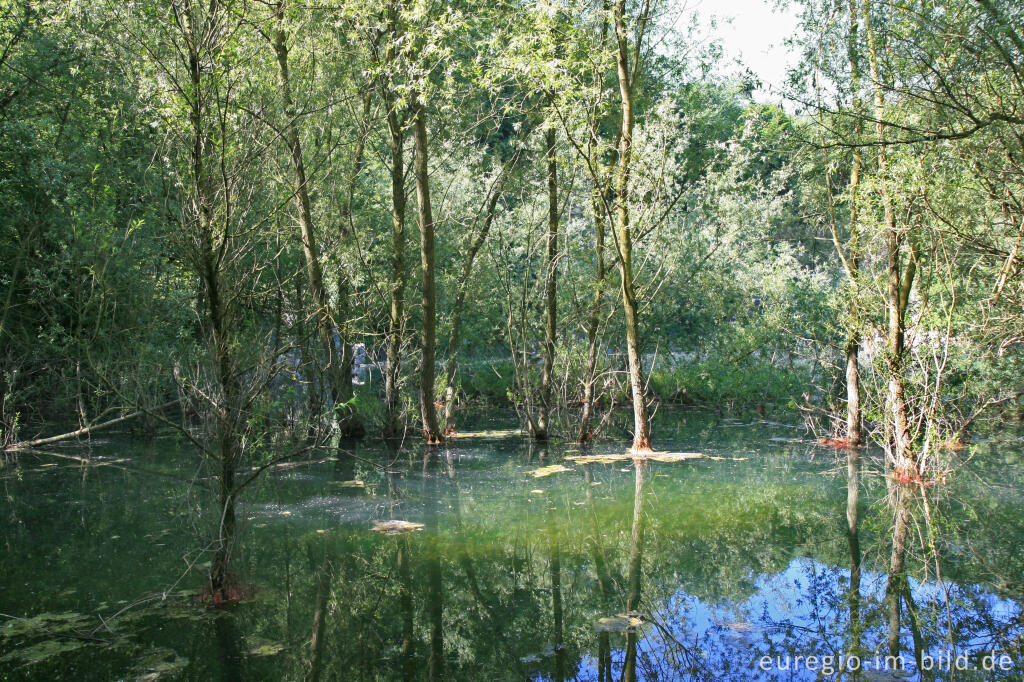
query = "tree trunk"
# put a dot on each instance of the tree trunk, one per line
(428, 344)
(452, 362)
(396, 319)
(624, 238)
(586, 434)
(897, 290)
(853, 408)
(550, 285)
(336, 376)
(226, 405)
(350, 424)
(593, 326)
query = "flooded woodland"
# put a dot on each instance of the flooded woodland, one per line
(770, 545)
(606, 340)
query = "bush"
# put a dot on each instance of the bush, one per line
(490, 382)
(713, 381)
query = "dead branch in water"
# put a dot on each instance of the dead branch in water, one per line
(84, 431)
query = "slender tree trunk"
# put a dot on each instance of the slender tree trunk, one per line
(350, 423)
(340, 391)
(550, 286)
(585, 434)
(593, 327)
(853, 410)
(624, 237)
(209, 247)
(396, 319)
(428, 344)
(452, 361)
(852, 351)
(228, 418)
(898, 285)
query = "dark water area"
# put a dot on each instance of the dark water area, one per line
(727, 567)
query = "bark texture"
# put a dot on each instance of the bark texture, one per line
(624, 237)
(428, 345)
(550, 290)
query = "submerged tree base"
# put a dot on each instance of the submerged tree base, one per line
(839, 443)
(228, 595)
(641, 447)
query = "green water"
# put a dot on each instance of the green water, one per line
(718, 563)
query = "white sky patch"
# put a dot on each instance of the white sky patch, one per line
(752, 32)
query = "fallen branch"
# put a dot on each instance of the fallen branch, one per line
(84, 431)
(961, 433)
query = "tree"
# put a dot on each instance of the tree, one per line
(396, 319)
(428, 343)
(339, 374)
(623, 235)
(542, 425)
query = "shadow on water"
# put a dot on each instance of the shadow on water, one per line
(497, 564)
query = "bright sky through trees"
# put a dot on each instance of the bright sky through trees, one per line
(754, 33)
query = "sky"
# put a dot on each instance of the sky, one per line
(754, 31)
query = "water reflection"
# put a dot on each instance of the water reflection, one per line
(324, 577)
(432, 461)
(853, 467)
(654, 571)
(636, 546)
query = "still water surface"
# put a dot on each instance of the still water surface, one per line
(768, 548)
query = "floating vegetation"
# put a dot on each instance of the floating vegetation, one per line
(624, 622)
(395, 527)
(159, 662)
(42, 651)
(263, 647)
(594, 459)
(354, 483)
(548, 470)
(670, 456)
(45, 623)
(33, 640)
(489, 434)
(646, 457)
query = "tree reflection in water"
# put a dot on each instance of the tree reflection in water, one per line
(724, 562)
